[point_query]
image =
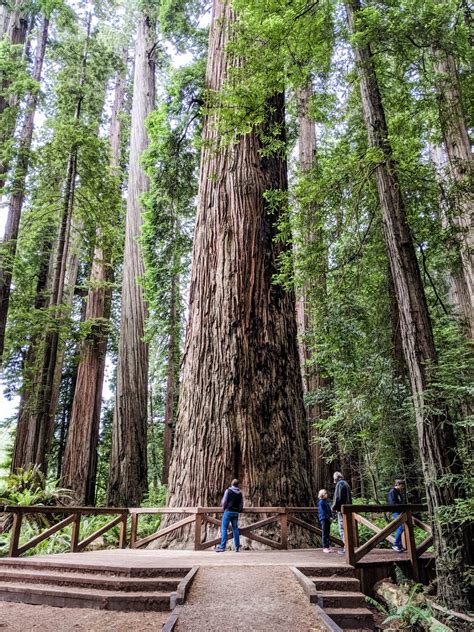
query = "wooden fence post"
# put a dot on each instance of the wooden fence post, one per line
(75, 533)
(349, 543)
(284, 530)
(411, 545)
(134, 530)
(197, 531)
(123, 532)
(15, 537)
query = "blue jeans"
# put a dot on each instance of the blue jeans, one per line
(398, 532)
(233, 518)
(340, 524)
(326, 529)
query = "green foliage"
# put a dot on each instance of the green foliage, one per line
(30, 487)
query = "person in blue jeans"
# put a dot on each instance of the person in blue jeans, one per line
(395, 498)
(325, 517)
(232, 503)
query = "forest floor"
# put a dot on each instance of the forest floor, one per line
(19, 617)
(243, 598)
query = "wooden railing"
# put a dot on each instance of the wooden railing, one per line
(352, 519)
(283, 516)
(73, 516)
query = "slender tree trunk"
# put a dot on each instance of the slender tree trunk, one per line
(80, 458)
(313, 379)
(16, 32)
(460, 170)
(241, 409)
(40, 407)
(18, 187)
(172, 377)
(29, 369)
(435, 431)
(128, 468)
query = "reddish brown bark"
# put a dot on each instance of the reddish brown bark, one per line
(128, 468)
(240, 409)
(437, 441)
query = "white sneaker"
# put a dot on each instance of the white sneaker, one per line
(326, 550)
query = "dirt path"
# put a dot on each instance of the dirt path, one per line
(243, 598)
(19, 617)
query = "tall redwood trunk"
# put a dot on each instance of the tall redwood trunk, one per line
(16, 22)
(80, 457)
(128, 468)
(172, 376)
(18, 186)
(38, 409)
(435, 432)
(460, 169)
(240, 409)
(313, 379)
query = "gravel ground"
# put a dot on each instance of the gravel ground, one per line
(244, 598)
(18, 617)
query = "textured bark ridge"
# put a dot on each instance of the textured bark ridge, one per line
(436, 438)
(241, 408)
(128, 469)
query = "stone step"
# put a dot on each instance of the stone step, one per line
(351, 618)
(67, 597)
(346, 599)
(346, 584)
(327, 571)
(83, 580)
(84, 567)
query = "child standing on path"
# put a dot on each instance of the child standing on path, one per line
(325, 517)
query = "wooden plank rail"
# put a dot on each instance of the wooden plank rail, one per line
(352, 518)
(282, 517)
(73, 516)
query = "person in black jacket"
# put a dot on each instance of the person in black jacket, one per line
(232, 503)
(395, 498)
(342, 496)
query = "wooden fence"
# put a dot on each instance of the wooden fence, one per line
(72, 516)
(281, 517)
(352, 518)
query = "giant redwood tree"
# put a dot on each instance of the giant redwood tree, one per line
(437, 441)
(241, 409)
(128, 468)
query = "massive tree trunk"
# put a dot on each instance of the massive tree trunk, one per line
(128, 469)
(240, 409)
(18, 187)
(460, 170)
(80, 457)
(313, 379)
(172, 377)
(436, 436)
